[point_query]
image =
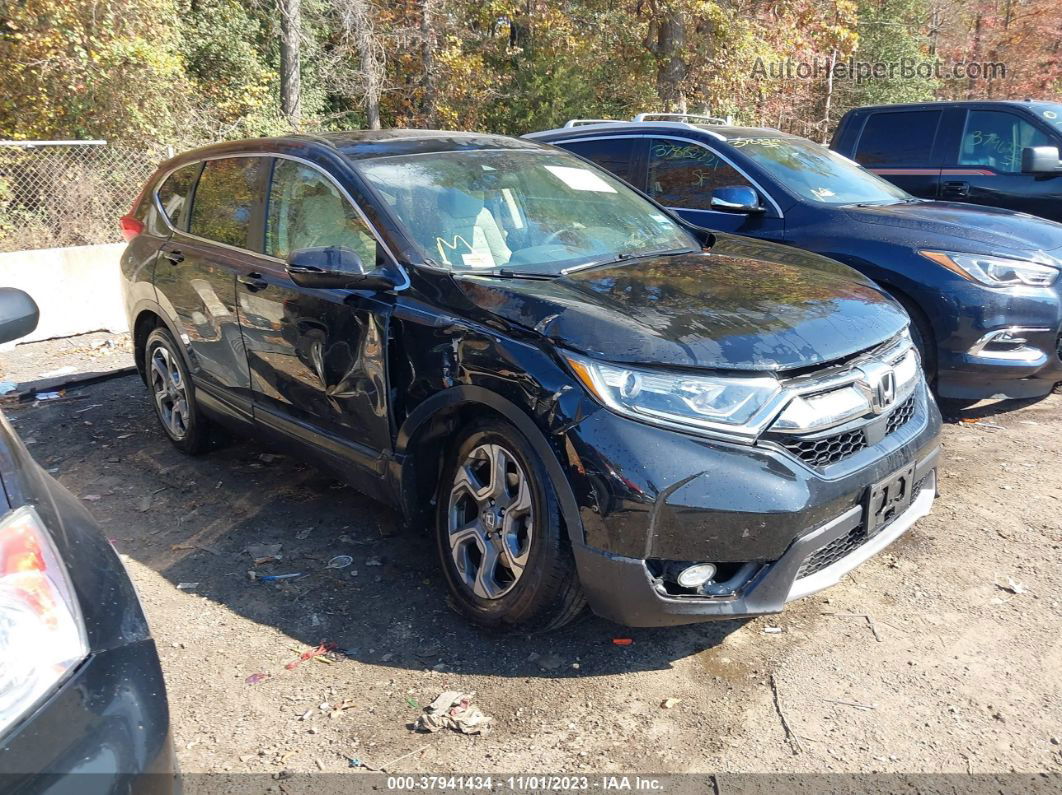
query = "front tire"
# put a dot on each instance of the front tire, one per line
(504, 549)
(173, 394)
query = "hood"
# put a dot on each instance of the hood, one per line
(994, 228)
(703, 310)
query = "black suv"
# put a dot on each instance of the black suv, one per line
(1001, 154)
(586, 399)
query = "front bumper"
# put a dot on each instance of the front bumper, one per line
(623, 590)
(664, 496)
(967, 371)
(106, 729)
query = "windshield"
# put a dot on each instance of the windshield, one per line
(817, 174)
(1050, 112)
(533, 212)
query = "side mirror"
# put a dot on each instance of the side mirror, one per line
(736, 199)
(335, 268)
(18, 314)
(1040, 160)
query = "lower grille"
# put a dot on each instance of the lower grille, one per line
(846, 544)
(833, 552)
(831, 449)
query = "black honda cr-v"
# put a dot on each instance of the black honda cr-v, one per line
(584, 398)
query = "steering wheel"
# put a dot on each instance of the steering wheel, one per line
(552, 236)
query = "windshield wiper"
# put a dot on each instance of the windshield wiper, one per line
(506, 273)
(625, 257)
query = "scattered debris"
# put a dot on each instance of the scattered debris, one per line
(982, 424)
(374, 562)
(91, 498)
(339, 562)
(623, 641)
(143, 505)
(57, 372)
(1012, 586)
(669, 703)
(790, 735)
(772, 630)
(187, 586)
(7, 386)
(550, 662)
(264, 553)
(254, 575)
(855, 704)
(318, 651)
(49, 395)
(256, 679)
(453, 710)
(342, 707)
(302, 535)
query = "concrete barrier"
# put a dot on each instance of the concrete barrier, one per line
(78, 289)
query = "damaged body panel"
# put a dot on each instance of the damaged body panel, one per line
(576, 370)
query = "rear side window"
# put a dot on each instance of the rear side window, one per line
(995, 139)
(684, 174)
(306, 210)
(898, 139)
(612, 154)
(175, 193)
(225, 198)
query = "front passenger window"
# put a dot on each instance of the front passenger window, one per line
(306, 210)
(995, 139)
(684, 174)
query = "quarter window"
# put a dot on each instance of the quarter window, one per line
(306, 210)
(612, 154)
(898, 139)
(995, 139)
(225, 198)
(684, 174)
(175, 192)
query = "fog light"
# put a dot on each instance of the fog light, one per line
(696, 575)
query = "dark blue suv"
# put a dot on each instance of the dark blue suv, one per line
(981, 284)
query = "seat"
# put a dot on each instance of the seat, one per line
(467, 232)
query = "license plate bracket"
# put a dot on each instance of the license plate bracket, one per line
(888, 498)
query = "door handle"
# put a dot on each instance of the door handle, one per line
(253, 281)
(956, 189)
(175, 257)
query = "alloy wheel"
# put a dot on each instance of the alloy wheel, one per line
(171, 395)
(490, 521)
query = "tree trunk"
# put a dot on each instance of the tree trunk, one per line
(290, 41)
(358, 24)
(671, 66)
(829, 99)
(429, 43)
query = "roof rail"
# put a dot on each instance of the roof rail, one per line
(683, 116)
(581, 122)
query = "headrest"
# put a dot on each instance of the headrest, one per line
(458, 204)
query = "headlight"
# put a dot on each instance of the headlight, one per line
(731, 407)
(42, 636)
(995, 271)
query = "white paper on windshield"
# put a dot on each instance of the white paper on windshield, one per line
(580, 179)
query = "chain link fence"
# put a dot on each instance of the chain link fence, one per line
(68, 193)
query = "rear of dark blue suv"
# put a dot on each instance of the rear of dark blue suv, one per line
(981, 284)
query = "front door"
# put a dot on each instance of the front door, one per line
(318, 358)
(681, 175)
(195, 275)
(986, 169)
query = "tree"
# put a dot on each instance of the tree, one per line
(290, 61)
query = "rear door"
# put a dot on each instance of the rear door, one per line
(318, 357)
(195, 277)
(899, 146)
(983, 163)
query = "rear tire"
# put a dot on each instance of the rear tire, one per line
(503, 547)
(173, 394)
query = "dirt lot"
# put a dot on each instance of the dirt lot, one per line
(958, 668)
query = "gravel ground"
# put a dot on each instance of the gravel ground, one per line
(957, 669)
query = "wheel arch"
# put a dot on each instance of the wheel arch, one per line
(420, 443)
(146, 316)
